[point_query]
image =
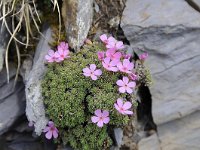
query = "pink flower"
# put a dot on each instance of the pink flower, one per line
(143, 56)
(31, 124)
(112, 54)
(125, 85)
(126, 66)
(63, 46)
(110, 64)
(133, 76)
(116, 45)
(51, 130)
(106, 40)
(61, 54)
(101, 117)
(100, 55)
(92, 72)
(127, 56)
(123, 107)
(50, 57)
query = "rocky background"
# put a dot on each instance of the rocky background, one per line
(168, 115)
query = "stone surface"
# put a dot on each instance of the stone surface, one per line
(118, 132)
(34, 102)
(3, 41)
(77, 16)
(171, 37)
(149, 143)
(181, 134)
(12, 100)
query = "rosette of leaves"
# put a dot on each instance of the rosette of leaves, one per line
(71, 99)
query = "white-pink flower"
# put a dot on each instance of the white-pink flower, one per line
(143, 56)
(101, 55)
(64, 46)
(113, 54)
(125, 85)
(100, 117)
(133, 76)
(127, 56)
(122, 107)
(116, 45)
(61, 54)
(50, 57)
(51, 130)
(106, 39)
(92, 72)
(125, 66)
(109, 64)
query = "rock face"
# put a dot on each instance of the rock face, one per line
(169, 32)
(34, 102)
(172, 40)
(3, 41)
(77, 16)
(12, 101)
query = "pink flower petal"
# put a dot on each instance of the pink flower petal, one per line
(103, 37)
(119, 66)
(131, 84)
(51, 52)
(119, 102)
(120, 83)
(98, 112)
(114, 62)
(126, 62)
(92, 67)
(86, 70)
(125, 80)
(127, 105)
(55, 134)
(94, 119)
(94, 77)
(128, 112)
(98, 72)
(114, 69)
(111, 39)
(117, 107)
(50, 123)
(48, 135)
(100, 123)
(46, 129)
(119, 45)
(107, 60)
(106, 120)
(86, 74)
(122, 90)
(105, 113)
(129, 90)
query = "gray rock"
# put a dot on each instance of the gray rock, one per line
(169, 32)
(118, 132)
(77, 16)
(149, 143)
(181, 134)
(12, 100)
(3, 43)
(34, 101)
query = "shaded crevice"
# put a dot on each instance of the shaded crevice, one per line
(144, 109)
(193, 5)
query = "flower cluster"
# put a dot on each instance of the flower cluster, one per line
(114, 60)
(58, 56)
